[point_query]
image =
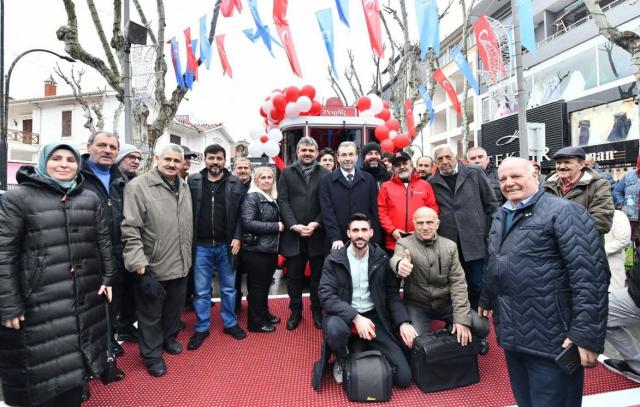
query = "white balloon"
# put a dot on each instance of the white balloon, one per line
(376, 104)
(291, 110)
(271, 148)
(256, 133)
(304, 104)
(275, 135)
(256, 149)
(393, 134)
(367, 113)
(267, 105)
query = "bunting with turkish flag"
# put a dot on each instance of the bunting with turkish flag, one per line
(372, 16)
(282, 26)
(442, 79)
(226, 68)
(192, 61)
(343, 11)
(227, 7)
(408, 118)
(489, 49)
(175, 60)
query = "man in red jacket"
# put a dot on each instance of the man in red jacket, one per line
(400, 197)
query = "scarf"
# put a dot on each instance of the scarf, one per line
(46, 153)
(568, 185)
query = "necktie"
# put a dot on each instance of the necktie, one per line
(350, 178)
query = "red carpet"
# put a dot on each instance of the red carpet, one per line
(275, 370)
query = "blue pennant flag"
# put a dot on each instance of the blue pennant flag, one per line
(527, 34)
(175, 59)
(205, 45)
(325, 21)
(428, 103)
(428, 26)
(465, 68)
(343, 11)
(262, 31)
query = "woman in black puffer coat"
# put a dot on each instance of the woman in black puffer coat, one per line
(55, 264)
(261, 228)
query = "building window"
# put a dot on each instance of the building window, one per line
(175, 139)
(66, 123)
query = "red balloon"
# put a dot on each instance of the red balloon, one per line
(264, 138)
(385, 104)
(279, 102)
(363, 103)
(262, 113)
(382, 132)
(308, 91)
(392, 124)
(316, 109)
(401, 141)
(292, 93)
(387, 146)
(277, 114)
(385, 115)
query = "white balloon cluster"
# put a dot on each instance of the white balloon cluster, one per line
(267, 144)
(375, 107)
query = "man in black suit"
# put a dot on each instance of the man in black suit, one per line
(346, 191)
(303, 239)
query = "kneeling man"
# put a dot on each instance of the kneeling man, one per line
(434, 282)
(359, 293)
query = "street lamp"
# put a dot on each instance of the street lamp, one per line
(4, 148)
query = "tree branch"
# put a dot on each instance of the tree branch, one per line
(336, 88)
(103, 38)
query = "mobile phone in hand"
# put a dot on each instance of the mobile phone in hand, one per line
(569, 359)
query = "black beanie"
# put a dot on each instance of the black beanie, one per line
(370, 147)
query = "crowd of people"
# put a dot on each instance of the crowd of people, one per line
(463, 239)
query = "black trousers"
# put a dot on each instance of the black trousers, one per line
(158, 318)
(123, 304)
(261, 267)
(339, 337)
(242, 268)
(70, 398)
(295, 278)
(421, 319)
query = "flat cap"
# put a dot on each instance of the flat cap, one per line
(570, 152)
(188, 152)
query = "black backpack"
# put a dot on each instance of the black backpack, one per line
(367, 376)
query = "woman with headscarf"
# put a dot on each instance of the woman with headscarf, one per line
(261, 228)
(55, 266)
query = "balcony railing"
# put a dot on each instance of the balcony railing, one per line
(18, 136)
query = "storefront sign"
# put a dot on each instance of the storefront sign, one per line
(339, 111)
(501, 138)
(614, 154)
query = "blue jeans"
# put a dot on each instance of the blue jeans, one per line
(537, 381)
(206, 258)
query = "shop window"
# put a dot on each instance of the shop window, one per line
(611, 122)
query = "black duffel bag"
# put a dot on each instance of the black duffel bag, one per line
(439, 362)
(367, 376)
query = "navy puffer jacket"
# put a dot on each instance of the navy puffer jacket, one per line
(546, 278)
(43, 234)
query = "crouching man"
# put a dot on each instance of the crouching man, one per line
(359, 293)
(434, 282)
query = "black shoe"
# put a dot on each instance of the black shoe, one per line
(621, 367)
(173, 347)
(212, 304)
(317, 320)
(235, 331)
(484, 346)
(116, 349)
(182, 325)
(157, 369)
(129, 334)
(86, 394)
(265, 329)
(273, 319)
(196, 340)
(294, 320)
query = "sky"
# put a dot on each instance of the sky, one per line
(215, 98)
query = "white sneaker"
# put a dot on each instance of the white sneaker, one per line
(337, 372)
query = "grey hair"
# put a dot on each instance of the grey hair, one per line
(476, 148)
(241, 159)
(441, 147)
(163, 149)
(518, 159)
(428, 157)
(307, 141)
(92, 137)
(346, 144)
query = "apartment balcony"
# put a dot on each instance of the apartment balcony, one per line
(22, 137)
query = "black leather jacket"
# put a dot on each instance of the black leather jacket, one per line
(260, 227)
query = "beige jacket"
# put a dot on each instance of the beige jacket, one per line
(437, 279)
(157, 229)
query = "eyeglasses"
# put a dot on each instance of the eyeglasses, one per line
(134, 158)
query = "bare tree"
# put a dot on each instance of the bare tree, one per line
(109, 66)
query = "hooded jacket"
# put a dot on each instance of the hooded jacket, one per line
(44, 235)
